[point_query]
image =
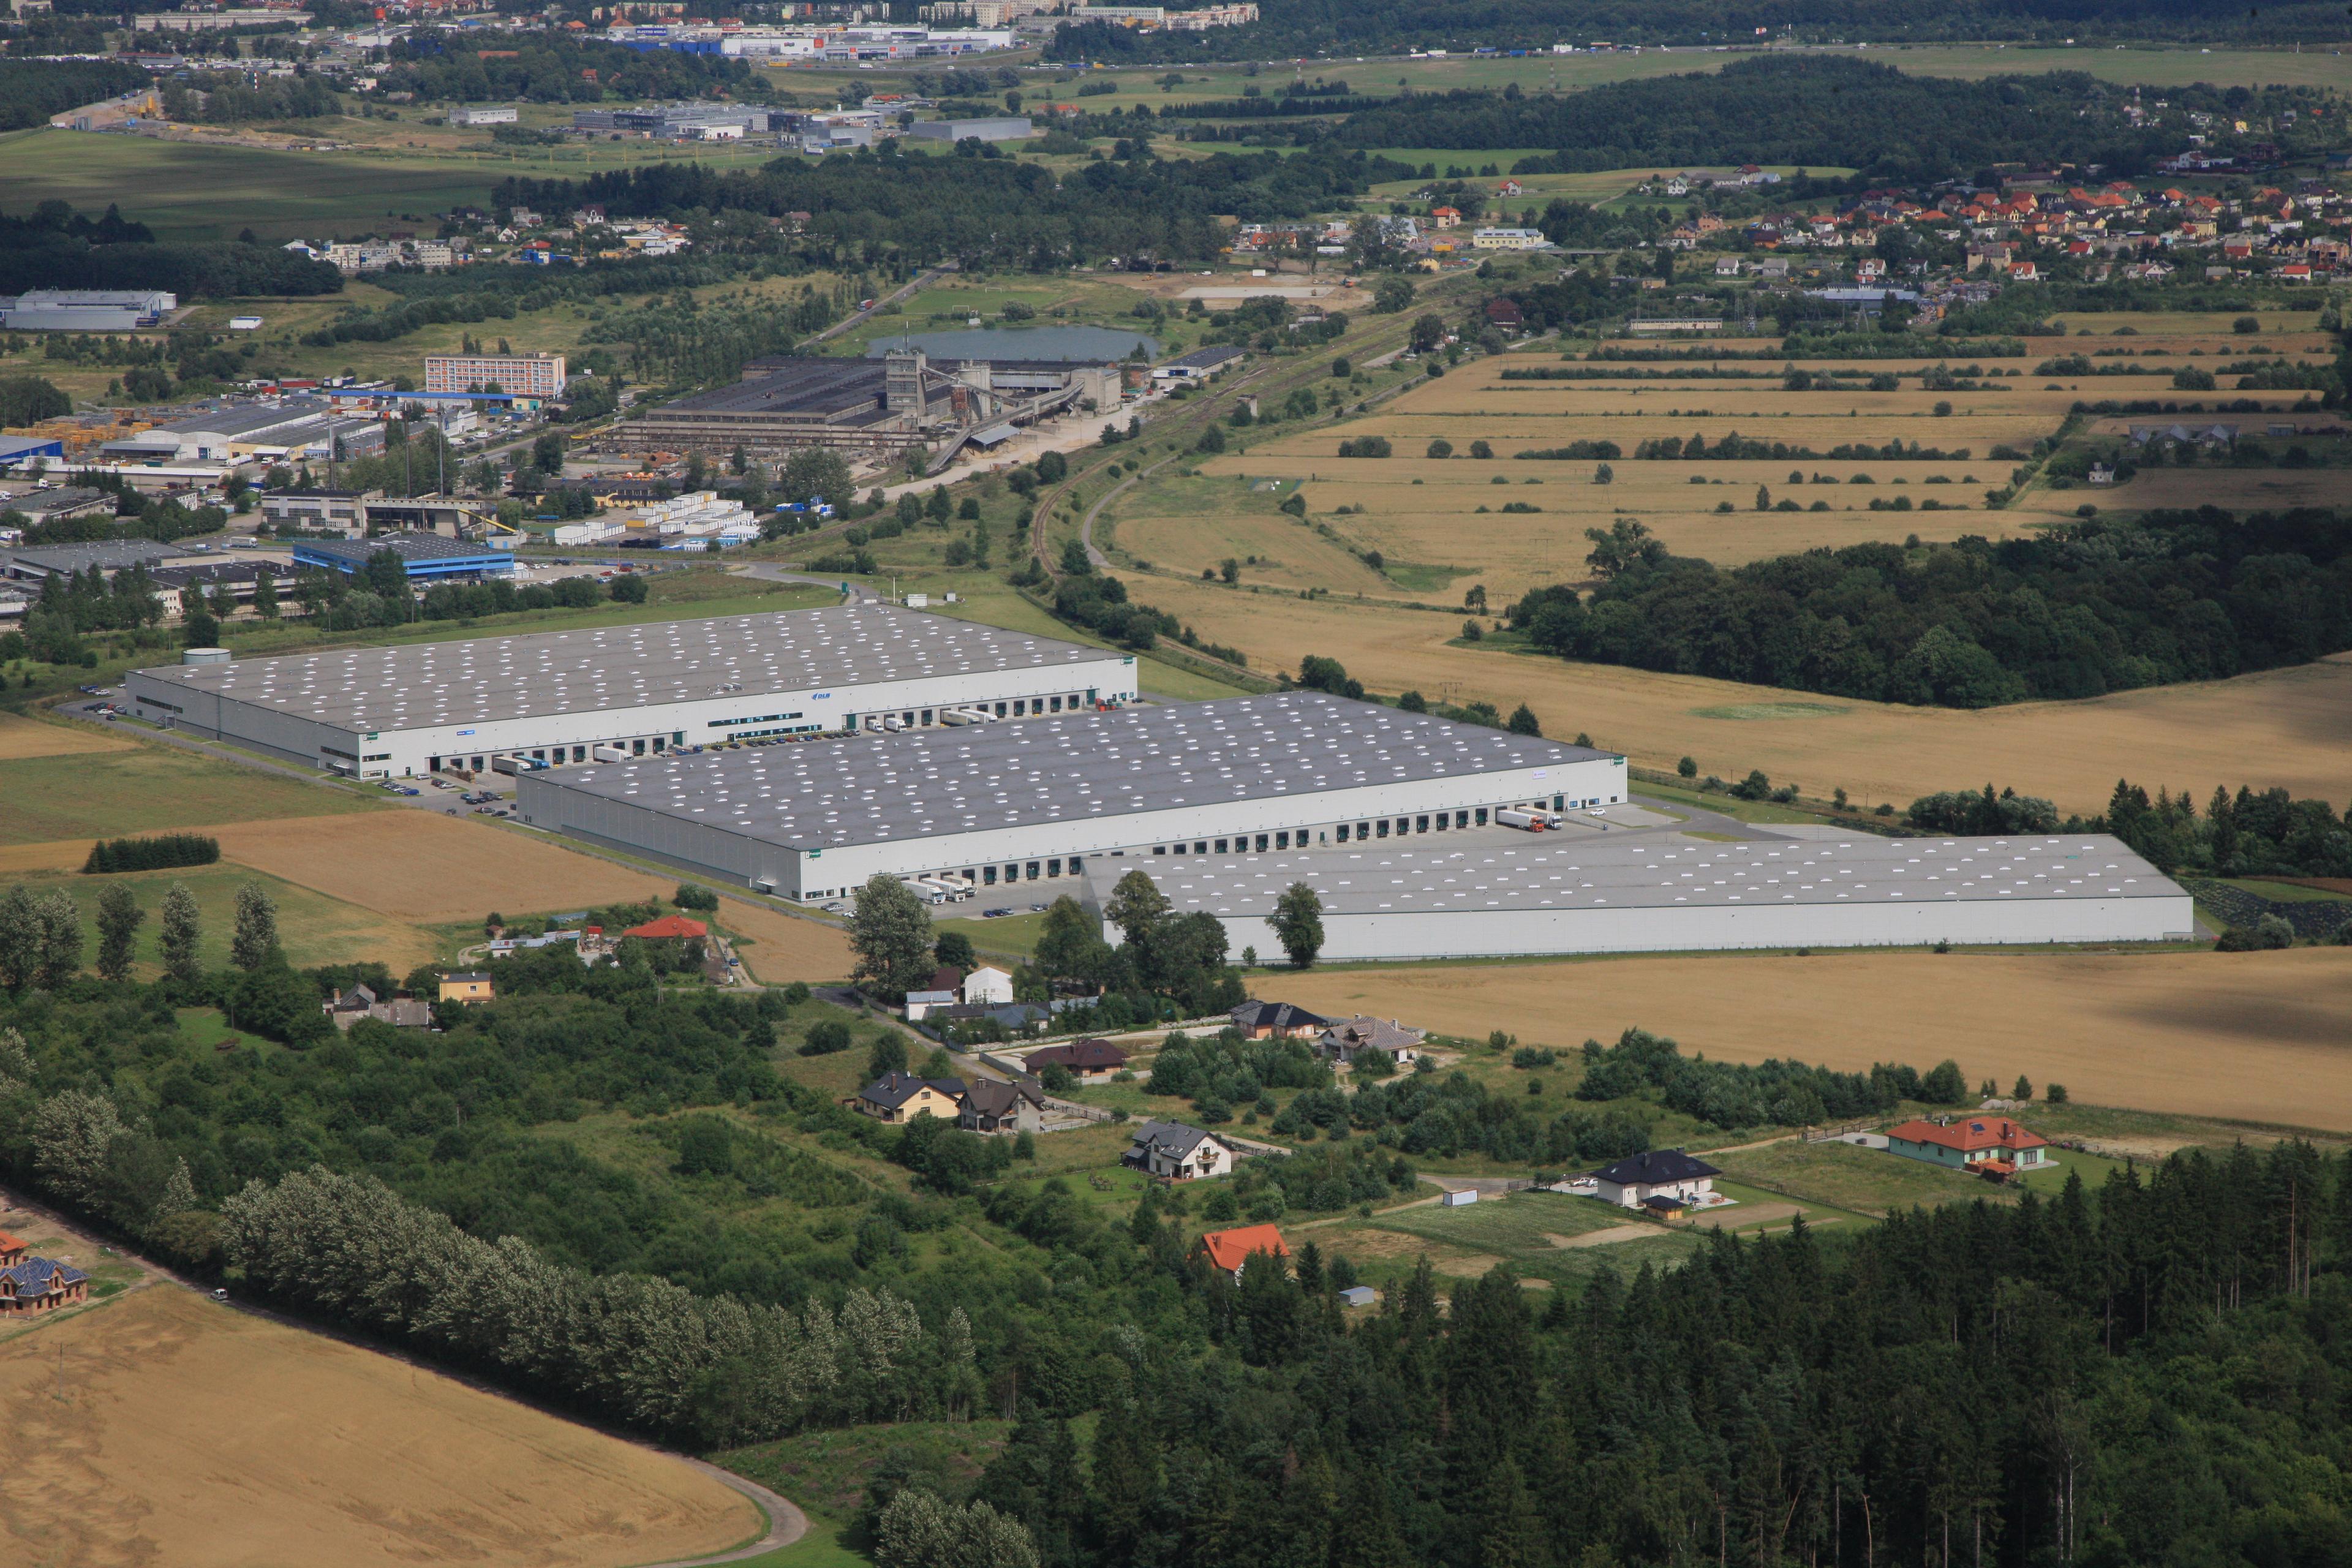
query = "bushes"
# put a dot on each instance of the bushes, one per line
(151, 854)
(1365, 447)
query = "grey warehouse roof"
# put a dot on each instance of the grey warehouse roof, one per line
(107, 555)
(1664, 873)
(1075, 768)
(618, 668)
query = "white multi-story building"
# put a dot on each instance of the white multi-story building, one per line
(553, 699)
(1508, 239)
(519, 375)
(987, 804)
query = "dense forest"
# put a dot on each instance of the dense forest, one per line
(2090, 607)
(53, 246)
(549, 67)
(1300, 27)
(985, 211)
(1803, 109)
(32, 90)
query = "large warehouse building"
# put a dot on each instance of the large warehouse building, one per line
(1671, 893)
(554, 698)
(1043, 801)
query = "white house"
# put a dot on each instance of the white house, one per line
(1179, 1154)
(1661, 1179)
(988, 988)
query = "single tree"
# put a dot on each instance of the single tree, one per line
(182, 929)
(1135, 906)
(2024, 1089)
(1298, 923)
(1523, 721)
(60, 929)
(953, 951)
(20, 937)
(256, 937)
(119, 918)
(892, 935)
(889, 1056)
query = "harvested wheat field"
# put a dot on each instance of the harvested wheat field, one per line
(429, 869)
(2232, 490)
(2254, 1036)
(200, 1437)
(2291, 726)
(23, 737)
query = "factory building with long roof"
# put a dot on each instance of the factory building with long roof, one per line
(995, 806)
(558, 699)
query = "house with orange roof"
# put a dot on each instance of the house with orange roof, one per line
(1991, 1146)
(1230, 1250)
(673, 926)
(13, 1249)
(1445, 217)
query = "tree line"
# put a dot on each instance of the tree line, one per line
(2093, 607)
(157, 852)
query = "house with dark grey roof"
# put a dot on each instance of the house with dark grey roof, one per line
(1347, 1039)
(1267, 1020)
(1665, 1180)
(993, 1105)
(41, 1285)
(1175, 1153)
(900, 1097)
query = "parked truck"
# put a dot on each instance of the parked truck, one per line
(609, 753)
(517, 765)
(1515, 816)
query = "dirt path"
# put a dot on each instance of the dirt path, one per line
(1605, 1238)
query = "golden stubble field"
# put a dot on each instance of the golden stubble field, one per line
(2252, 1037)
(162, 1428)
(21, 737)
(2290, 727)
(424, 868)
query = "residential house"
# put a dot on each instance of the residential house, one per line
(1505, 314)
(1088, 1060)
(992, 1106)
(1268, 1020)
(1445, 217)
(987, 987)
(1509, 188)
(1230, 1250)
(899, 1097)
(41, 1285)
(1175, 1153)
(1661, 1180)
(348, 1007)
(1983, 1145)
(1349, 1038)
(676, 928)
(468, 985)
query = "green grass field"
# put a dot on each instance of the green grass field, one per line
(312, 928)
(109, 794)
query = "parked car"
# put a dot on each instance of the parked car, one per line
(994, 914)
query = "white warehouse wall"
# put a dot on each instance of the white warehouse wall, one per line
(409, 752)
(543, 801)
(1501, 934)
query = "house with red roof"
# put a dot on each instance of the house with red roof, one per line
(1445, 217)
(1230, 1250)
(1991, 1146)
(676, 926)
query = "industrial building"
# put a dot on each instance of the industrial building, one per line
(31, 564)
(1582, 893)
(427, 557)
(1002, 128)
(982, 805)
(553, 698)
(892, 404)
(293, 429)
(86, 310)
